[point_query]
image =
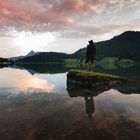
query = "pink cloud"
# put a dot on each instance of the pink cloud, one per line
(31, 13)
(62, 15)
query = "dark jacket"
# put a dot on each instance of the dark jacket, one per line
(91, 51)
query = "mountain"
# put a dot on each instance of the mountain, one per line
(31, 53)
(125, 45)
(42, 57)
(3, 60)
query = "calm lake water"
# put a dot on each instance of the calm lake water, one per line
(38, 106)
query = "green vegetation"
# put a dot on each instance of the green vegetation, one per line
(109, 63)
(92, 74)
(112, 63)
(115, 63)
(73, 63)
(126, 63)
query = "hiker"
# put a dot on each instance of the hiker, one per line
(90, 55)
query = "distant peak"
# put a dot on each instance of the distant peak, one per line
(31, 53)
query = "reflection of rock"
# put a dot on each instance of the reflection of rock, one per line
(84, 92)
(127, 88)
(78, 78)
(88, 94)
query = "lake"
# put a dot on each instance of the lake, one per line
(35, 104)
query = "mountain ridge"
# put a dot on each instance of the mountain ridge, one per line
(31, 53)
(125, 45)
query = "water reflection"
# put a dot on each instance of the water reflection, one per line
(58, 117)
(21, 79)
(73, 114)
(41, 68)
(89, 95)
(89, 106)
(131, 72)
(114, 115)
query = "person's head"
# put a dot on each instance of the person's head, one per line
(91, 42)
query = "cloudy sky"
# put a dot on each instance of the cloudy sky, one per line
(62, 25)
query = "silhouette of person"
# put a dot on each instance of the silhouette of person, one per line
(89, 106)
(90, 55)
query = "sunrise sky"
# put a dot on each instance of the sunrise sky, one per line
(62, 25)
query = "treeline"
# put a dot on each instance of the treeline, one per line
(47, 57)
(4, 60)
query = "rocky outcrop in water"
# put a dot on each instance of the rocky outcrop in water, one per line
(84, 79)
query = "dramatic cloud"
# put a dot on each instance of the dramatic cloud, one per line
(97, 19)
(40, 15)
(65, 15)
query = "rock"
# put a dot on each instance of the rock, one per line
(85, 79)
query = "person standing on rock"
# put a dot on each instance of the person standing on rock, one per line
(90, 55)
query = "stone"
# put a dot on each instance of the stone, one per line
(85, 79)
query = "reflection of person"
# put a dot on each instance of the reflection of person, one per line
(89, 106)
(90, 55)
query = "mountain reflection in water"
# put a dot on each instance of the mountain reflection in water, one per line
(61, 113)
